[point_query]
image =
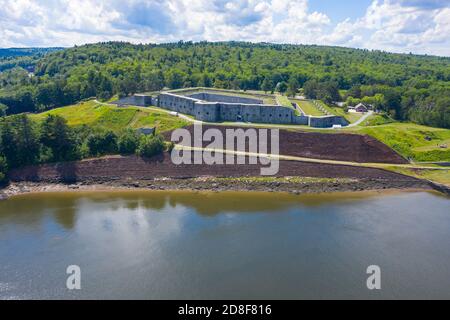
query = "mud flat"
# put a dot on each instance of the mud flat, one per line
(159, 173)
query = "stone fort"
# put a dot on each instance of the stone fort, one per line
(215, 106)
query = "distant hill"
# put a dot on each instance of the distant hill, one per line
(408, 87)
(25, 58)
(19, 52)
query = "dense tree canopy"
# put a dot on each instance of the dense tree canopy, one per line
(25, 142)
(407, 86)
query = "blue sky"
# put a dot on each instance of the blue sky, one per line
(338, 10)
(418, 26)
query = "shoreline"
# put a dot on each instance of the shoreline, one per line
(292, 185)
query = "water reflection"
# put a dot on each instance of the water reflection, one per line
(30, 209)
(185, 245)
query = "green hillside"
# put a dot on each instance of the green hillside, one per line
(408, 87)
(111, 117)
(416, 142)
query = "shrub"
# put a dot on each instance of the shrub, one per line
(150, 145)
(128, 142)
(103, 142)
(3, 170)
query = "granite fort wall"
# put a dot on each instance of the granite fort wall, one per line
(227, 111)
(207, 111)
(177, 103)
(140, 100)
(214, 97)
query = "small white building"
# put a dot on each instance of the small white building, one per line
(359, 108)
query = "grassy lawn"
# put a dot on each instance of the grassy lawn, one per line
(308, 107)
(439, 176)
(269, 100)
(413, 141)
(283, 101)
(330, 110)
(114, 118)
(376, 120)
(352, 117)
(338, 111)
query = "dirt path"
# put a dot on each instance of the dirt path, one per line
(311, 160)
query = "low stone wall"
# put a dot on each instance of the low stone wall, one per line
(139, 100)
(326, 121)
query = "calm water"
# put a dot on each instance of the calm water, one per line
(161, 245)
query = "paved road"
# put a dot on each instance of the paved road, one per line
(360, 120)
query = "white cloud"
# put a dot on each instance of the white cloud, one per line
(418, 26)
(397, 25)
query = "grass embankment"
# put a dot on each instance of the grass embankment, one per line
(283, 101)
(376, 120)
(413, 141)
(308, 107)
(338, 111)
(111, 117)
(439, 176)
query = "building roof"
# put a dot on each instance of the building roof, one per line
(360, 105)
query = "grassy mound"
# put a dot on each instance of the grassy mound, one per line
(417, 142)
(111, 117)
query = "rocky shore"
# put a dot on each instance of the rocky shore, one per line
(295, 185)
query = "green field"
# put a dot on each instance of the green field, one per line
(308, 107)
(376, 120)
(413, 141)
(283, 101)
(111, 117)
(351, 117)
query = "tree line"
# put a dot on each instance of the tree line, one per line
(409, 87)
(26, 142)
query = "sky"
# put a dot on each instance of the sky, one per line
(418, 26)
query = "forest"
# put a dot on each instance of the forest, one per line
(27, 142)
(408, 87)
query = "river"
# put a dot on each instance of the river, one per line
(229, 245)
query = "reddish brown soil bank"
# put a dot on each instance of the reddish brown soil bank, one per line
(116, 168)
(336, 146)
